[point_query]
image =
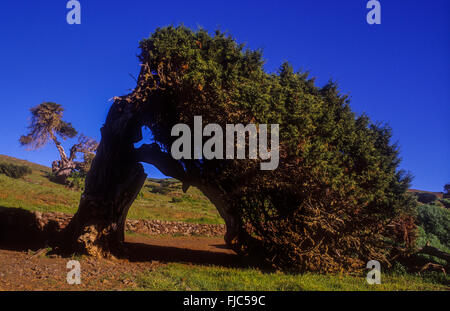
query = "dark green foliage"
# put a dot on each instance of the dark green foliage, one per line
(445, 202)
(337, 193)
(447, 191)
(14, 171)
(435, 220)
(398, 269)
(164, 186)
(426, 198)
(427, 237)
(159, 189)
(76, 180)
(168, 182)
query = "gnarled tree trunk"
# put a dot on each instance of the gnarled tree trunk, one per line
(116, 177)
(112, 185)
(62, 169)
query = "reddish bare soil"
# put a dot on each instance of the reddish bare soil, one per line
(36, 270)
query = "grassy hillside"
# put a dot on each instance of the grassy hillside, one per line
(158, 199)
(164, 200)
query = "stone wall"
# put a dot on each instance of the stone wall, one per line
(142, 226)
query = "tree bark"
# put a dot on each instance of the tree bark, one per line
(115, 179)
(233, 226)
(433, 251)
(112, 185)
(61, 169)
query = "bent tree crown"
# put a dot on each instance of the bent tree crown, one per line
(327, 206)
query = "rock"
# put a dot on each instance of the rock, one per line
(149, 227)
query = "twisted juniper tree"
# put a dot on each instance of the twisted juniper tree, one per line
(47, 125)
(329, 204)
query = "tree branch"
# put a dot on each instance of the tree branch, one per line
(60, 148)
(152, 154)
(432, 251)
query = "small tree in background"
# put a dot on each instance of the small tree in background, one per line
(47, 125)
(447, 191)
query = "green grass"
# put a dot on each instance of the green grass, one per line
(35, 192)
(177, 276)
(192, 206)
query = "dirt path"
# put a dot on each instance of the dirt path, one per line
(22, 270)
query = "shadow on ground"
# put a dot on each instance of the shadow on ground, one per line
(20, 231)
(150, 252)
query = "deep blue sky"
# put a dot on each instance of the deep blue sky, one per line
(397, 72)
